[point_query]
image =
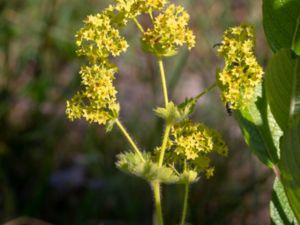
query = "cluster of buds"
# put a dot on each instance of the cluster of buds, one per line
(97, 102)
(190, 146)
(97, 40)
(241, 73)
(129, 9)
(170, 30)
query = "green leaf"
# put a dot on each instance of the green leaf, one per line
(290, 165)
(157, 49)
(130, 162)
(281, 19)
(283, 86)
(188, 177)
(259, 129)
(170, 113)
(175, 114)
(187, 107)
(281, 212)
(110, 125)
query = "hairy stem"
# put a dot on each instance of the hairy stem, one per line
(126, 134)
(163, 81)
(138, 25)
(215, 84)
(157, 202)
(185, 203)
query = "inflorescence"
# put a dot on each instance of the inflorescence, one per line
(191, 144)
(241, 73)
(169, 31)
(100, 39)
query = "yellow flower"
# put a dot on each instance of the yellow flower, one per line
(131, 8)
(210, 172)
(152, 5)
(97, 102)
(193, 143)
(241, 73)
(190, 140)
(170, 30)
(99, 39)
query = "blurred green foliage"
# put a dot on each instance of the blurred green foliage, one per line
(63, 172)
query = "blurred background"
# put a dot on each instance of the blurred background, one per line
(53, 171)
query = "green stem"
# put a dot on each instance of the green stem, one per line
(138, 25)
(163, 81)
(156, 184)
(185, 203)
(157, 202)
(164, 145)
(206, 90)
(151, 16)
(168, 127)
(126, 134)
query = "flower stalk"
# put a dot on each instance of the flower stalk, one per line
(164, 144)
(138, 25)
(209, 88)
(156, 184)
(163, 81)
(130, 140)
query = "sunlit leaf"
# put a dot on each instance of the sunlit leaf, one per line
(283, 87)
(281, 19)
(259, 129)
(280, 210)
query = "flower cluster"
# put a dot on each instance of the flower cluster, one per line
(241, 73)
(100, 38)
(97, 102)
(170, 30)
(192, 143)
(131, 8)
(97, 40)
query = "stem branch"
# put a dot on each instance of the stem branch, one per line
(168, 126)
(206, 90)
(164, 145)
(151, 16)
(163, 81)
(138, 25)
(126, 134)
